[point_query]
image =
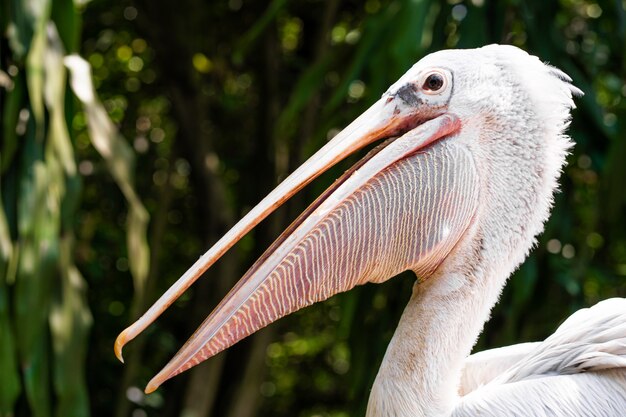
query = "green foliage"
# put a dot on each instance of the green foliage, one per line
(44, 314)
(201, 107)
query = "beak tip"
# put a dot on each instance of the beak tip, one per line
(119, 344)
(152, 385)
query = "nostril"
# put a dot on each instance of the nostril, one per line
(408, 94)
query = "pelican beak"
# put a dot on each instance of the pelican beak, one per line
(345, 238)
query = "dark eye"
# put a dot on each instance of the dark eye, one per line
(433, 82)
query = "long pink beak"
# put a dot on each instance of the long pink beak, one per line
(358, 231)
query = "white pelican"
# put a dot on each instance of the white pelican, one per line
(457, 195)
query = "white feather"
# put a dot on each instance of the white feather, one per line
(594, 394)
(580, 370)
(485, 366)
(591, 339)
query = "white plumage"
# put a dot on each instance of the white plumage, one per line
(514, 110)
(580, 370)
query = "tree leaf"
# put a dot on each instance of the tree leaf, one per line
(9, 377)
(10, 122)
(120, 160)
(35, 65)
(70, 320)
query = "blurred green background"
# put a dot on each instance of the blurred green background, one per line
(200, 109)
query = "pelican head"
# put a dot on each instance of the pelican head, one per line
(471, 147)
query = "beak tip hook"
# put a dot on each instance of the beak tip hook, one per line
(119, 344)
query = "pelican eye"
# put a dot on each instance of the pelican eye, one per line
(434, 82)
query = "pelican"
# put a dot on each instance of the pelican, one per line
(472, 144)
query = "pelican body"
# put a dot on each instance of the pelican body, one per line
(473, 142)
